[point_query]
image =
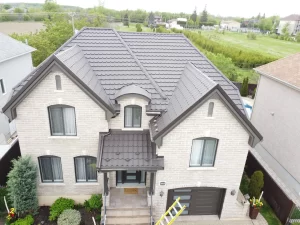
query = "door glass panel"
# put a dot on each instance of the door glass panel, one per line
(187, 204)
(131, 177)
(119, 175)
(182, 197)
(131, 171)
(183, 190)
(143, 176)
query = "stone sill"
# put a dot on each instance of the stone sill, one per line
(87, 184)
(64, 137)
(52, 184)
(202, 168)
(132, 129)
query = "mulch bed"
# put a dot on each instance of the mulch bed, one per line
(43, 215)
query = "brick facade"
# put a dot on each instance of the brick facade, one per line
(36, 140)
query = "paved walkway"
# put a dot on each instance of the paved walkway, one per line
(259, 221)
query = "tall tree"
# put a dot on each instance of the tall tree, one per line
(204, 16)
(194, 16)
(151, 19)
(126, 20)
(51, 6)
(258, 16)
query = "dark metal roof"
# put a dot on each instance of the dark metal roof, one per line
(192, 87)
(152, 61)
(119, 150)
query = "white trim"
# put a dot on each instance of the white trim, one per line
(52, 184)
(153, 113)
(18, 55)
(202, 168)
(87, 183)
(132, 129)
(64, 137)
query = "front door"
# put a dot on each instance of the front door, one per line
(131, 176)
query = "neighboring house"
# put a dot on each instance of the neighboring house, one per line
(276, 115)
(293, 22)
(15, 65)
(111, 110)
(157, 19)
(230, 25)
(154, 20)
(178, 23)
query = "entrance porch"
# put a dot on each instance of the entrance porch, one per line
(128, 198)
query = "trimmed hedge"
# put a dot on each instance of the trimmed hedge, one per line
(69, 217)
(59, 206)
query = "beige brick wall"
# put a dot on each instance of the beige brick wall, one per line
(230, 158)
(36, 140)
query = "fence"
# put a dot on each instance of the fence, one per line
(295, 215)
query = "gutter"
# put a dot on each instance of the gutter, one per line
(101, 144)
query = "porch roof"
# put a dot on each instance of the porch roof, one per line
(124, 150)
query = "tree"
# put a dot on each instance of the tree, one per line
(151, 19)
(7, 6)
(194, 16)
(138, 27)
(297, 37)
(256, 184)
(286, 30)
(258, 16)
(126, 20)
(204, 16)
(51, 6)
(18, 10)
(244, 88)
(22, 185)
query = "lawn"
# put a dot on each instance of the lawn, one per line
(267, 212)
(132, 28)
(263, 43)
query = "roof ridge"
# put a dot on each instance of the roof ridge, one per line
(155, 85)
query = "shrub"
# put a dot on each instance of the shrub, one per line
(244, 186)
(256, 184)
(251, 36)
(3, 192)
(69, 217)
(296, 214)
(59, 206)
(28, 220)
(26, 17)
(22, 185)
(138, 27)
(95, 202)
(244, 88)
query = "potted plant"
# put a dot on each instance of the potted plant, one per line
(255, 206)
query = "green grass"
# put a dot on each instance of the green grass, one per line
(263, 43)
(132, 28)
(267, 212)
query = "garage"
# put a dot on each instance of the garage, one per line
(199, 200)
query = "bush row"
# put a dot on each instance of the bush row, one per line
(242, 58)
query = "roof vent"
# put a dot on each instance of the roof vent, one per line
(156, 130)
(127, 160)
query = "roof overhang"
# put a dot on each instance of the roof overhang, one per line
(132, 89)
(254, 136)
(50, 65)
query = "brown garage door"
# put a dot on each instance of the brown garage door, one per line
(198, 201)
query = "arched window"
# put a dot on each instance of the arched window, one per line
(50, 168)
(85, 169)
(58, 82)
(210, 109)
(203, 152)
(132, 116)
(62, 120)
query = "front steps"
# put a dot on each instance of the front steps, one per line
(124, 216)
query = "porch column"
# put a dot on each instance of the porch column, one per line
(151, 189)
(105, 184)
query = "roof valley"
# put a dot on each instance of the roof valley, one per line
(155, 85)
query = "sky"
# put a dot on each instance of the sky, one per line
(216, 7)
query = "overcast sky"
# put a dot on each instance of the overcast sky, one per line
(216, 7)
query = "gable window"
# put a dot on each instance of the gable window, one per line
(62, 120)
(203, 152)
(2, 86)
(58, 82)
(85, 169)
(133, 116)
(210, 109)
(50, 168)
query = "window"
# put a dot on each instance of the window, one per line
(62, 120)
(2, 86)
(85, 169)
(50, 168)
(58, 82)
(203, 152)
(133, 116)
(210, 109)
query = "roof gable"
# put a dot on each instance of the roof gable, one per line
(11, 48)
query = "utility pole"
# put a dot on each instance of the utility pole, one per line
(72, 14)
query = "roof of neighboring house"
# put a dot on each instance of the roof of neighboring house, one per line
(293, 17)
(286, 69)
(119, 150)
(11, 48)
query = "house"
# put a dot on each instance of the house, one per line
(146, 113)
(293, 23)
(178, 23)
(230, 25)
(154, 20)
(15, 65)
(276, 115)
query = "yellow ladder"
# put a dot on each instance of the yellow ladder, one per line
(169, 213)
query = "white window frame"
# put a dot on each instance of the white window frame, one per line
(2, 86)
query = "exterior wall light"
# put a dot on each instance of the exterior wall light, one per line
(161, 193)
(233, 192)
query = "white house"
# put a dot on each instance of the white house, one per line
(292, 22)
(15, 65)
(144, 113)
(230, 25)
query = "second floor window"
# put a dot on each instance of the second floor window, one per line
(62, 120)
(85, 169)
(50, 168)
(58, 82)
(2, 88)
(133, 116)
(203, 152)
